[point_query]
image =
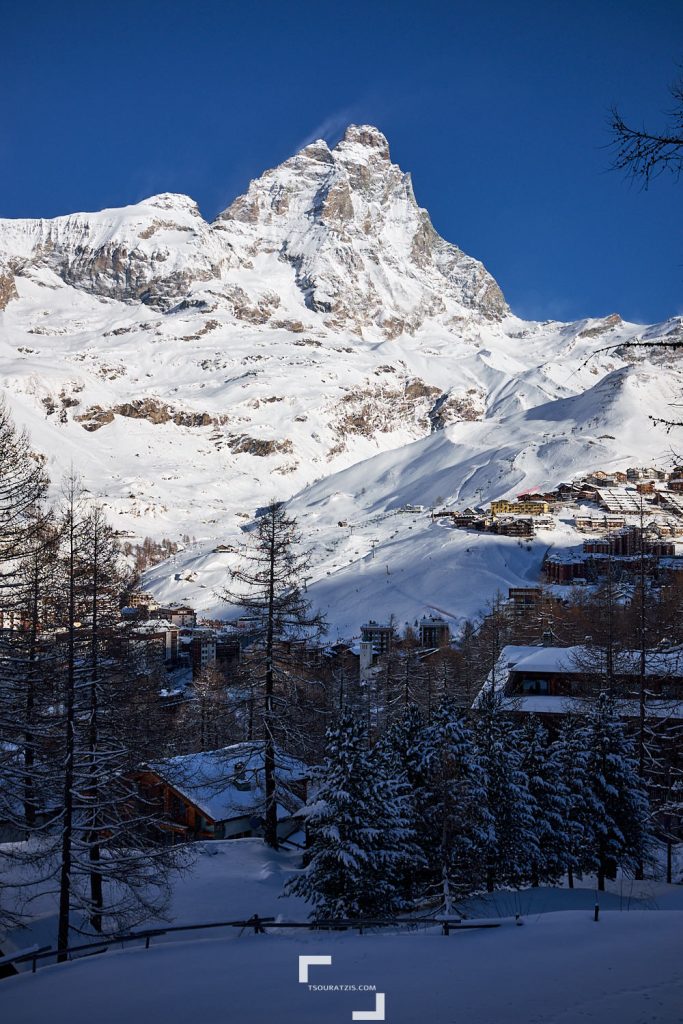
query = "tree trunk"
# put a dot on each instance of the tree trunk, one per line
(70, 743)
(96, 893)
(270, 830)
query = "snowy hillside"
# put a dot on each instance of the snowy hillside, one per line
(318, 339)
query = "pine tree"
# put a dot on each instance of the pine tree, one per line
(622, 834)
(402, 746)
(511, 845)
(570, 756)
(361, 839)
(454, 821)
(550, 795)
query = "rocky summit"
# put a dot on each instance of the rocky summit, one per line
(317, 339)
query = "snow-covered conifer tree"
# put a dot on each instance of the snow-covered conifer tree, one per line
(570, 758)
(511, 845)
(548, 789)
(622, 834)
(453, 819)
(359, 825)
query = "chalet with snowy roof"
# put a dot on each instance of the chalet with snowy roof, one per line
(469, 519)
(531, 495)
(620, 500)
(514, 526)
(220, 794)
(548, 680)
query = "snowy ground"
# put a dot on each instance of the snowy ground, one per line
(560, 967)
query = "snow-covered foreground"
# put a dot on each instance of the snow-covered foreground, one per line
(560, 966)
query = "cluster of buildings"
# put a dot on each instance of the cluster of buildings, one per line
(618, 495)
(185, 647)
(627, 550)
(629, 515)
(505, 524)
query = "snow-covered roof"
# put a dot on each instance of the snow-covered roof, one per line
(581, 659)
(154, 626)
(229, 782)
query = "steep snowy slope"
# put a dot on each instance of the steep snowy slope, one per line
(373, 558)
(194, 370)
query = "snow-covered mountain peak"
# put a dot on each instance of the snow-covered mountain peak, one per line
(173, 201)
(363, 140)
(362, 251)
(336, 230)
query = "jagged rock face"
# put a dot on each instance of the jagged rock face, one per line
(151, 253)
(8, 288)
(343, 221)
(361, 249)
(320, 320)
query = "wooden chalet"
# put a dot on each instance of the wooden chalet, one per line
(220, 794)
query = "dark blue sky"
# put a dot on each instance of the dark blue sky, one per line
(499, 110)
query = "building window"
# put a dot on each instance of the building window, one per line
(533, 686)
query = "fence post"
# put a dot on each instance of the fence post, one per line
(596, 913)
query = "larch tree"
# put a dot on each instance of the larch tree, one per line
(645, 154)
(112, 869)
(25, 539)
(269, 584)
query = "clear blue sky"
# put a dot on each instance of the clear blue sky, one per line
(498, 109)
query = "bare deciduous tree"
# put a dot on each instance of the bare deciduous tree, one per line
(268, 583)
